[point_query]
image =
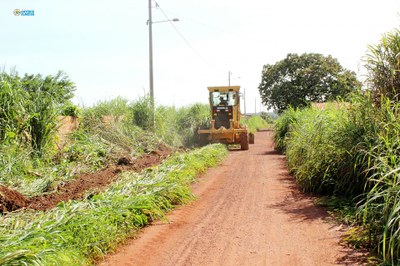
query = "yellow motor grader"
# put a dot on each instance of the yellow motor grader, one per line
(225, 118)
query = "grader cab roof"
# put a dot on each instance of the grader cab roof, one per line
(224, 88)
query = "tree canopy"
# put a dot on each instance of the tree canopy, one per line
(299, 80)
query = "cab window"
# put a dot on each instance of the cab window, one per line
(223, 98)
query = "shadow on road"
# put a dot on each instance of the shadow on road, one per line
(270, 152)
(300, 207)
(265, 130)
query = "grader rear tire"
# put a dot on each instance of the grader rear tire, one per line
(244, 142)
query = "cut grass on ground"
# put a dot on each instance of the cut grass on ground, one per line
(79, 232)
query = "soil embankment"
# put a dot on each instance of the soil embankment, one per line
(11, 200)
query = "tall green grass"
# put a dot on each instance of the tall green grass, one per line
(29, 108)
(175, 126)
(107, 131)
(77, 232)
(283, 126)
(74, 233)
(12, 99)
(318, 148)
(254, 123)
(351, 150)
(34, 162)
(189, 119)
(380, 207)
(382, 64)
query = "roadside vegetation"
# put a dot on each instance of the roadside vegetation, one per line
(33, 160)
(255, 123)
(79, 232)
(38, 160)
(349, 150)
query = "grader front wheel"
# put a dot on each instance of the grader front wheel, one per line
(244, 141)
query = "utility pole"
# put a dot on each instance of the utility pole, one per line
(152, 111)
(229, 78)
(150, 23)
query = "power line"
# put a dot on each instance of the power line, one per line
(216, 28)
(181, 35)
(208, 26)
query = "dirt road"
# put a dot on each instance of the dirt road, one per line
(249, 211)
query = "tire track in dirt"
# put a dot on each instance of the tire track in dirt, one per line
(249, 211)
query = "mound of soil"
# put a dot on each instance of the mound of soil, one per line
(12, 200)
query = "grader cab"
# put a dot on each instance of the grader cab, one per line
(225, 124)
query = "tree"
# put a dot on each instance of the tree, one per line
(299, 80)
(383, 66)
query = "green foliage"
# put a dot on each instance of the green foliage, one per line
(189, 119)
(115, 107)
(178, 126)
(268, 117)
(70, 109)
(351, 149)
(12, 108)
(254, 123)
(30, 163)
(23, 170)
(46, 96)
(86, 149)
(58, 87)
(166, 118)
(383, 65)
(283, 126)
(105, 134)
(113, 122)
(299, 80)
(380, 208)
(174, 126)
(30, 106)
(343, 209)
(77, 232)
(316, 149)
(354, 150)
(141, 113)
(15, 162)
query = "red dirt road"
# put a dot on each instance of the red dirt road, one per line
(249, 211)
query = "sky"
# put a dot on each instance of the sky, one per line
(103, 45)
